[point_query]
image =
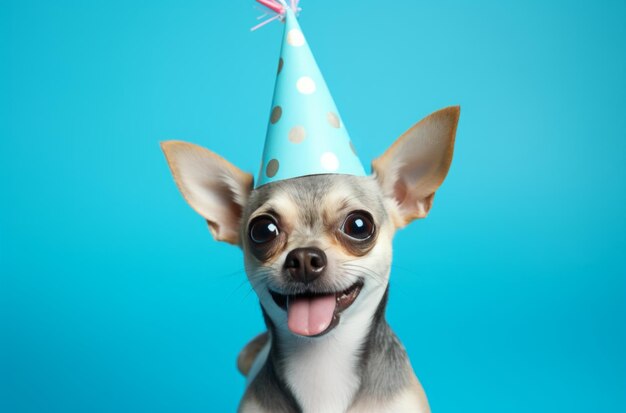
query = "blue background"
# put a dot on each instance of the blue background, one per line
(510, 297)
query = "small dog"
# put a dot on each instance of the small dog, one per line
(317, 251)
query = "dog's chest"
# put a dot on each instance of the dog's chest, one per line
(324, 375)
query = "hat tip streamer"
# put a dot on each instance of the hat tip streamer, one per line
(277, 10)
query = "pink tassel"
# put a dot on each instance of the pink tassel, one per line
(279, 7)
(272, 5)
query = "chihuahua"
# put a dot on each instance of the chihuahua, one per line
(317, 252)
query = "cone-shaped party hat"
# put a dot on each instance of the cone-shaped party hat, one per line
(305, 135)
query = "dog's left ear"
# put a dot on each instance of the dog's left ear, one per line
(412, 169)
(214, 187)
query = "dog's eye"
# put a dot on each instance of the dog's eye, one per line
(358, 225)
(263, 229)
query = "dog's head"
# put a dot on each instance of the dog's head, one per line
(318, 248)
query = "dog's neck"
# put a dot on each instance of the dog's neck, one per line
(362, 358)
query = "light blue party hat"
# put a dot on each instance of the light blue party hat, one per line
(305, 135)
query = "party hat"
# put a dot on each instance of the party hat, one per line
(305, 134)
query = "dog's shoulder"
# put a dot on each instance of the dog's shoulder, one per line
(266, 393)
(249, 404)
(249, 353)
(410, 400)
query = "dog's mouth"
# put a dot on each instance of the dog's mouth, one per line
(315, 314)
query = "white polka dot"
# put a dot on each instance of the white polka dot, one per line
(329, 161)
(305, 85)
(295, 38)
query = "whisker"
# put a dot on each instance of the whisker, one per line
(355, 274)
(375, 276)
(252, 288)
(230, 274)
(232, 293)
(364, 269)
(356, 270)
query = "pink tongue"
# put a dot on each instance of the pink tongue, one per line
(310, 316)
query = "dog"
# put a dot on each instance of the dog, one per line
(317, 251)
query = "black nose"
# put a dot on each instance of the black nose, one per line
(305, 264)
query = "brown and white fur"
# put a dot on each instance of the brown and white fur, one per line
(359, 365)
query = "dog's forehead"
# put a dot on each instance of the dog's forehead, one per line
(306, 198)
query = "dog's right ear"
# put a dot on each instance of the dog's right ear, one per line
(215, 188)
(412, 169)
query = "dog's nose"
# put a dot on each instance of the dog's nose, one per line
(305, 264)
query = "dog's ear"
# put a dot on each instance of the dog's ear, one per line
(412, 169)
(216, 189)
